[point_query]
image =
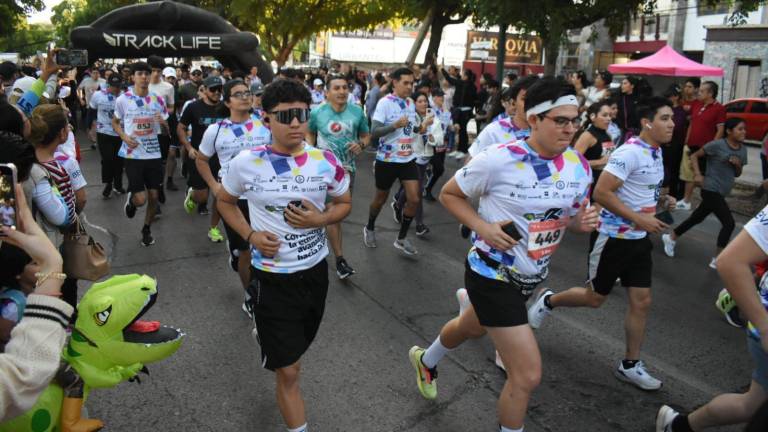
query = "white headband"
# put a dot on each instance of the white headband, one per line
(548, 105)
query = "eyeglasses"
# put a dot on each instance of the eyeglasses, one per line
(241, 95)
(215, 89)
(287, 116)
(197, 73)
(561, 122)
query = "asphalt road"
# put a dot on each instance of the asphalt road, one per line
(356, 376)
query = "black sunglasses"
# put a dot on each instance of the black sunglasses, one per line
(287, 116)
(215, 89)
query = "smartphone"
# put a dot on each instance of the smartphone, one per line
(8, 206)
(510, 230)
(72, 57)
(295, 203)
(430, 113)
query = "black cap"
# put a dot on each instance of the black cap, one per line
(212, 81)
(257, 89)
(7, 70)
(115, 80)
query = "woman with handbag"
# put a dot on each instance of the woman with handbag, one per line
(50, 128)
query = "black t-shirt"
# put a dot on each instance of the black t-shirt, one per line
(199, 115)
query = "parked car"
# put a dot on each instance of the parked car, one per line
(755, 112)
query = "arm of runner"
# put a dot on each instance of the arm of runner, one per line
(378, 129)
(204, 153)
(311, 217)
(605, 195)
(585, 220)
(130, 141)
(698, 178)
(733, 264)
(181, 132)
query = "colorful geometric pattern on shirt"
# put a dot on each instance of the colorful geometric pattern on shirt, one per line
(396, 146)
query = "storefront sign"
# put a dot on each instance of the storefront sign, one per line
(519, 48)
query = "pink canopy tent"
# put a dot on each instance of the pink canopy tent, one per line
(666, 62)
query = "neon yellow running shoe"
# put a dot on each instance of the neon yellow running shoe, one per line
(215, 235)
(426, 379)
(189, 205)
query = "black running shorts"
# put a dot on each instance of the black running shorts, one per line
(287, 310)
(235, 242)
(612, 258)
(388, 172)
(496, 303)
(194, 179)
(144, 174)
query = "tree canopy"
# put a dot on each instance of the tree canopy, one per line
(28, 39)
(13, 14)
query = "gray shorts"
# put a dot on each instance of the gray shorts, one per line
(760, 357)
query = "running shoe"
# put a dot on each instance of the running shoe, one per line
(426, 379)
(158, 212)
(118, 190)
(214, 234)
(669, 245)
(189, 205)
(233, 262)
(161, 195)
(397, 212)
(727, 306)
(202, 209)
(343, 270)
(460, 155)
(146, 237)
(369, 238)
(638, 376)
(539, 310)
(248, 305)
(664, 418)
(129, 208)
(463, 298)
(107, 192)
(170, 185)
(499, 363)
(464, 231)
(422, 230)
(405, 246)
(713, 264)
(429, 197)
(683, 205)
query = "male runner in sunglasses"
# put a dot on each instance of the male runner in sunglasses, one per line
(286, 185)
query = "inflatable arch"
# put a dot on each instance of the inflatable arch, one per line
(170, 29)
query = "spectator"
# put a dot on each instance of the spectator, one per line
(627, 118)
(673, 151)
(373, 95)
(690, 93)
(464, 100)
(599, 89)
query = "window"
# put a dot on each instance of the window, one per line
(759, 108)
(736, 107)
(571, 56)
(702, 8)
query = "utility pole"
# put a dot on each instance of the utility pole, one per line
(501, 52)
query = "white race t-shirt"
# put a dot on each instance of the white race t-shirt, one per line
(137, 116)
(103, 102)
(500, 131)
(538, 195)
(164, 90)
(757, 228)
(318, 97)
(68, 147)
(396, 146)
(227, 140)
(640, 167)
(269, 181)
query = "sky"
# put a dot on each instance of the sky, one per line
(44, 16)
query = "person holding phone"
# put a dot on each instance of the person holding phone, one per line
(539, 186)
(139, 118)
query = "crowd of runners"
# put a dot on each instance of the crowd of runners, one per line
(274, 165)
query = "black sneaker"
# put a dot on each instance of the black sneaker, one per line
(129, 208)
(170, 185)
(734, 318)
(107, 192)
(422, 230)
(233, 262)
(202, 209)
(465, 231)
(158, 212)
(118, 190)
(146, 237)
(428, 197)
(397, 212)
(161, 195)
(343, 270)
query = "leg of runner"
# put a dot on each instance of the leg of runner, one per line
(413, 198)
(289, 398)
(421, 229)
(634, 323)
(522, 361)
(214, 234)
(149, 216)
(170, 168)
(438, 168)
(702, 211)
(107, 163)
(369, 233)
(117, 181)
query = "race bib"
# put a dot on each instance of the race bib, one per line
(143, 126)
(404, 146)
(544, 237)
(608, 147)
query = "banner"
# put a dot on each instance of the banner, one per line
(519, 48)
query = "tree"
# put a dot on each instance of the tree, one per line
(28, 39)
(72, 13)
(13, 14)
(282, 24)
(441, 14)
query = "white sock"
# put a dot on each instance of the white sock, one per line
(302, 428)
(505, 429)
(434, 353)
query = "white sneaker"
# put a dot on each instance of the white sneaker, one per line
(406, 246)
(453, 153)
(369, 238)
(638, 376)
(669, 245)
(460, 155)
(713, 264)
(664, 418)
(463, 299)
(683, 205)
(538, 311)
(499, 363)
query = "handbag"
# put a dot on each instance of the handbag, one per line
(84, 257)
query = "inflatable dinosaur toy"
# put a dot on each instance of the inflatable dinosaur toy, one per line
(109, 345)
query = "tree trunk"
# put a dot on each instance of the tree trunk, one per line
(552, 50)
(282, 55)
(411, 59)
(435, 37)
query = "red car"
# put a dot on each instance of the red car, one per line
(755, 112)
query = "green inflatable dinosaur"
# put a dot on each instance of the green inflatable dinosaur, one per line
(109, 345)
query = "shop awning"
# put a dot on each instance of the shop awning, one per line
(665, 62)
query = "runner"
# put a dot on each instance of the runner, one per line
(748, 248)
(109, 143)
(199, 115)
(628, 191)
(225, 139)
(725, 160)
(393, 129)
(318, 95)
(139, 117)
(438, 160)
(342, 128)
(511, 125)
(530, 190)
(286, 185)
(169, 75)
(257, 89)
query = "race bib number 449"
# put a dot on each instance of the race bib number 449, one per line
(544, 237)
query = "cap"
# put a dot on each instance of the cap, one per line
(115, 80)
(21, 85)
(212, 81)
(317, 82)
(196, 69)
(7, 69)
(257, 89)
(169, 72)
